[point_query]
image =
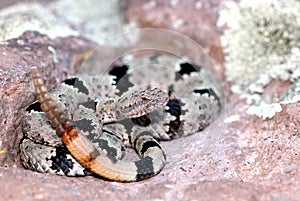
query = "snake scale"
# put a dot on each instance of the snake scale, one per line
(83, 126)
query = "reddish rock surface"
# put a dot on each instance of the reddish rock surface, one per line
(251, 160)
(16, 92)
(194, 18)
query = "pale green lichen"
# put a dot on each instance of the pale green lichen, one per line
(262, 43)
(97, 20)
(265, 110)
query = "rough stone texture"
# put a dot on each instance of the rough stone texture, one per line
(227, 173)
(193, 18)
(252, 160)
(16, 91)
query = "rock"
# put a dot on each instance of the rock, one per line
(56, 59)
(251, 160)
(194, 18)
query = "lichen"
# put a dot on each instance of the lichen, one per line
(261, 44)
(64, 18)
(94, 23)
(16, 19)
(265, 110)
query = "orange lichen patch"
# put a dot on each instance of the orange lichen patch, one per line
(86, 55)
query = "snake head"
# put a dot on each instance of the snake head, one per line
(138, 102)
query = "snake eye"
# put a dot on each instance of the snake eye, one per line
(145, 97)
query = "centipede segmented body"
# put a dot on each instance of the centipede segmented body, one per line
(85, 124)
(87, 154)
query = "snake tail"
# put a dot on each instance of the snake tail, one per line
(152, 158)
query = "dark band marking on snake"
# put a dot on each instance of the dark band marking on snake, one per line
(97, 117)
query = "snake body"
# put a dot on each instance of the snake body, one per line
(96, 117)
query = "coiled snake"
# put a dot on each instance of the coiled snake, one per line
(134, 105)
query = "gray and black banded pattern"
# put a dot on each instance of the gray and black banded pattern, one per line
(91, 102)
